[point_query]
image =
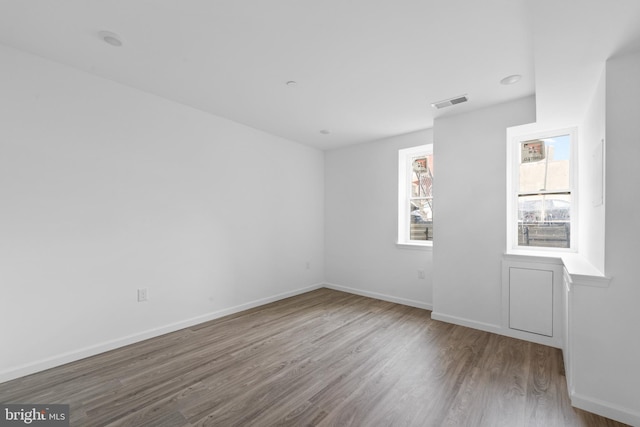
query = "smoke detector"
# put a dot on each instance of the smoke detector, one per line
(451, 101)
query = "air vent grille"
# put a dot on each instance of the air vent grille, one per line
(449, 102)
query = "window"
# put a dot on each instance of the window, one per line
(543, 201)
(415, 200)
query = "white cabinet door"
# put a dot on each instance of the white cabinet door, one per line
(531, 300)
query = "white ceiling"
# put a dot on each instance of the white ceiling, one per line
(365, 69)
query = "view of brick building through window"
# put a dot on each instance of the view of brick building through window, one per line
(421, 200)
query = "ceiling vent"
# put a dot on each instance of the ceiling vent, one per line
(451, 101)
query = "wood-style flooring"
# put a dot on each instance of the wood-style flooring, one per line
(324, 358)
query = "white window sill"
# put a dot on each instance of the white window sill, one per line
(580, 271)
(427, 246)
(541, 252)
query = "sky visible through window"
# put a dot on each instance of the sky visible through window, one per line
(561, 145)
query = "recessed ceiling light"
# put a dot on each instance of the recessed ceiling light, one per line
(112, 38)
(325, 132)
(509, 80)
(291, 83)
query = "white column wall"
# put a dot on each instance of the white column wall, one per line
(605, 338)
(470, 212)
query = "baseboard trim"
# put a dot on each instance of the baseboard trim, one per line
(497, 329)
(461, 321)
(72, 356)
(605, 409)
(383, 297)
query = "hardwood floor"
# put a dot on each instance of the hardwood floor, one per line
(324, 358)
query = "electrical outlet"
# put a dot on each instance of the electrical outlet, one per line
(420, 274)
(142, 294)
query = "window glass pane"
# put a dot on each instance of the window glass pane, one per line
(544, 220)
(544, 165)
(421, 200)
(415, 174)
(421, 176)
(421, 219)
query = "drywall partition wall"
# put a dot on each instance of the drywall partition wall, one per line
(605, 344)
(591, 150)
(471, 212)
(105, 189)
(361, 224)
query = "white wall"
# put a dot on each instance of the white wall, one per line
(361, 223)
(590, 182)
(606, 343)
(470, 212)
(105, 189)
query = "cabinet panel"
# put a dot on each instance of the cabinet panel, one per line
(531, 300)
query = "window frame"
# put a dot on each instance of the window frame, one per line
(513, 183)
(405, 171)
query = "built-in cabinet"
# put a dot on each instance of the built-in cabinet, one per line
(566, 328)
(532, 297)
(540, 300)
(531, 300)
(572, 328)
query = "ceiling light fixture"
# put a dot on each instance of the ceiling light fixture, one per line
(291, 83)
(509, 80)
(112, 38)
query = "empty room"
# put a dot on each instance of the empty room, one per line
(319, 213)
